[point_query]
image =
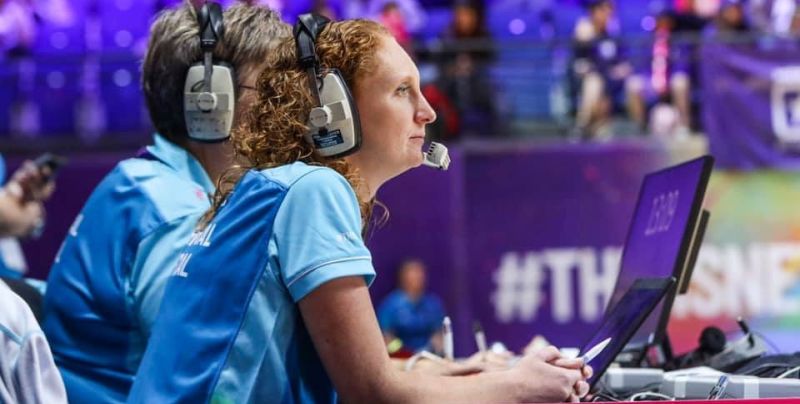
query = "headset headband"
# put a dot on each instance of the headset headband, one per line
(211, 27)
(306, 31)
(211, 30)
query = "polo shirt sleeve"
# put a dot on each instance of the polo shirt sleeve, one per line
(317, 234)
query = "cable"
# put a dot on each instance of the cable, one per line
(604, 397)
(605, 393)
(636, 396)
(627, 393)
(788, 372)
(756, 371)
(769, 342)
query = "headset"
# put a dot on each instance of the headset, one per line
(334, 126)
(208, 92)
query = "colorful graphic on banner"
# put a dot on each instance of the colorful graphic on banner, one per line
(749, 265)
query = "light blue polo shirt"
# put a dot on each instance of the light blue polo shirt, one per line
(107, 280)
(229, 329)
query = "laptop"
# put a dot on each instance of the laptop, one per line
(660, 240)
(621, 323)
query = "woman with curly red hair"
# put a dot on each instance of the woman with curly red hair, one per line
(270, 300)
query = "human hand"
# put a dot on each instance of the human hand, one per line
(490, 361)
(428, 363)
(444, 367)
(557, 378)
(31, 182)
(553, 356)
(536, 343)
(32, 218)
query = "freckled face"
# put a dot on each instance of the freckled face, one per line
(393, 113)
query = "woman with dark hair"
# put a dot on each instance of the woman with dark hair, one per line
(270, 300)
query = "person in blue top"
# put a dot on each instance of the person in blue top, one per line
(269, 300)
(409, 313)
(107, 280)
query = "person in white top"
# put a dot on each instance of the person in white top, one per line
(28, 373)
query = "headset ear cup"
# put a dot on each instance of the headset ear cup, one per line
(342, 135)
(206, 124)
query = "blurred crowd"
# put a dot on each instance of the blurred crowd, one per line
(646, 80)
(658, 92)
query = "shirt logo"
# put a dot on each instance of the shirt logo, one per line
(347, 236)
(202, 238)
(180, 267)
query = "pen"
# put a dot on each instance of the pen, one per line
(447, 334)
(596, 350)
(480, 338)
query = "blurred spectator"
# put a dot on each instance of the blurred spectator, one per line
(409, 313)
(687, 19)
(412, 13)
(665, 83)
(702, 8)
(395, 21)
(19, 19)
(730, 19)
(466, 80)
(447, 125)
(600, 72)
(794, 30)
(17, 25)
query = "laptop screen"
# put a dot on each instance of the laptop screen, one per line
(659, 236)
(623, 321)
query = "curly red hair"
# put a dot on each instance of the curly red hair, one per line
(272, 135)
